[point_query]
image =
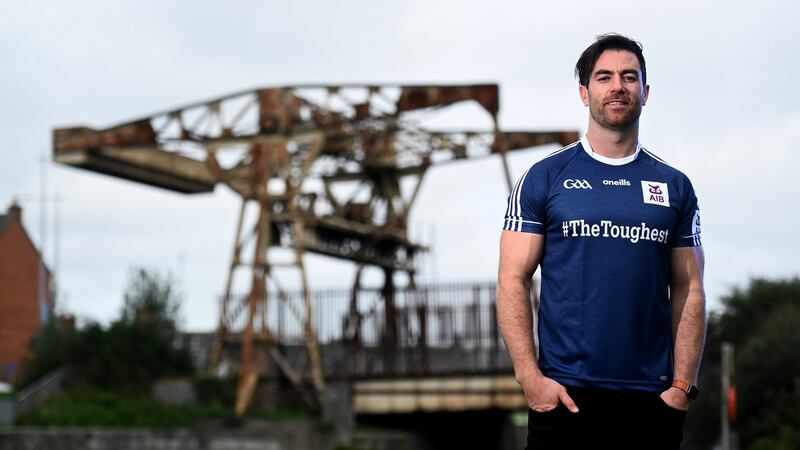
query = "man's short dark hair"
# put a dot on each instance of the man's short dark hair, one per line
(608, 41)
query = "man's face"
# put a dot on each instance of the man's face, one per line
(615, 94)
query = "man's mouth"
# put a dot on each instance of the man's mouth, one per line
(616, 103)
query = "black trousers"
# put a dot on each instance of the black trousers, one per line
(608, 420)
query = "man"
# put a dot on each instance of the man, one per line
(617, 233)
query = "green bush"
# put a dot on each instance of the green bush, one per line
(213, 390)
(130, 354)
(92, 407)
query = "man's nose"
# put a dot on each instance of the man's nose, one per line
(617, 84)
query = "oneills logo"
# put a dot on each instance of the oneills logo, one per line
(620, 182)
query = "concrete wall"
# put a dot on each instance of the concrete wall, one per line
(287, 435)
(8, 410)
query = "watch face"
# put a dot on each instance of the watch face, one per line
(692, 392)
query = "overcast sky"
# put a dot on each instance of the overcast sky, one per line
(723, 108)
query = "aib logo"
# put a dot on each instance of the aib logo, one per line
(655, 193)
(656, 196)
(569, 183)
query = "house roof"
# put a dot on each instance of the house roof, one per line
(14, 211)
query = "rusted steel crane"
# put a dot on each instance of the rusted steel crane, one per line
(330, 169)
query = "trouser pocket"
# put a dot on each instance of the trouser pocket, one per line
(550, 429)
(672, 420)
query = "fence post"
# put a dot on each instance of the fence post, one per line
(495, 329)
(476, 301)
(422, 342)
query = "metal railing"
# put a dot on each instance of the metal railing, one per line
(33, 395)
(438, 328)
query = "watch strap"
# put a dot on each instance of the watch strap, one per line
(690, 389)
(682, 385)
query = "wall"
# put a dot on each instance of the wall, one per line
(19, 296)
(286, 435)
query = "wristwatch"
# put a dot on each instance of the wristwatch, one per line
(690, 389)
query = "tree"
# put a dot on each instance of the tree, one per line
(135, 350)
(763, 323)
(151, 299)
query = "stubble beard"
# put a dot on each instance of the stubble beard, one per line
(619, 121)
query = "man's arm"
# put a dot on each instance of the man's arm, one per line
(520, 254)
(688, 319)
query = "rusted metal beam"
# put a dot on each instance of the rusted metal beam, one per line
(83, 138)
(419, 97)
(144, 165)
(516, 140)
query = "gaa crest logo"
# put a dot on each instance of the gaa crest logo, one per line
(655, 193)
(569, 183)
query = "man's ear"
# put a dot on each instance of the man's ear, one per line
(584, 93)
(645, 94)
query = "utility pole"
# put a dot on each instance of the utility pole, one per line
(44, 312)
(727, 365)
(47, 280)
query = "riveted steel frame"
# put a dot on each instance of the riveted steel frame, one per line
(269, 145)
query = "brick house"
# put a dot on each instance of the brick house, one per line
(22, 310)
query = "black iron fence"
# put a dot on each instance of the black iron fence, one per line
(437, 328)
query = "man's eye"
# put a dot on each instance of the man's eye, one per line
(630, 79)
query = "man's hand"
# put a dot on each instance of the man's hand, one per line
(544, 394)
(675, 398)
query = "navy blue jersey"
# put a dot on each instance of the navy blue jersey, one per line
(609, 227)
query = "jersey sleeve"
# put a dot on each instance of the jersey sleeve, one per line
(526, 204)
(688, 231)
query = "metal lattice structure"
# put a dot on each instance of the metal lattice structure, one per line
(332, 170)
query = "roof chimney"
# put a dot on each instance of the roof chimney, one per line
(15, 210)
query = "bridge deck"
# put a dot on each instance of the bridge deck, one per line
(437, 394)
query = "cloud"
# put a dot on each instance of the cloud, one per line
(722, 109)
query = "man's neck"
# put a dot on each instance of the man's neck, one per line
(613, 143)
